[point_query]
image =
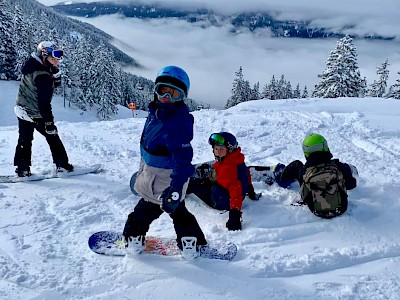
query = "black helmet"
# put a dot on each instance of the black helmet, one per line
(224, 139)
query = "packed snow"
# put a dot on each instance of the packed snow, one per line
(284, 252)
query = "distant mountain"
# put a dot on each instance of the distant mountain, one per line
(68, 26)
(206, 18)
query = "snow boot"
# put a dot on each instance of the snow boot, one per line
(135, 244)
(189, 248)
(64, 168)
(23, 170)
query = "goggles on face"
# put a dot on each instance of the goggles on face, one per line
(216, 139)
(57, 54)
(174, 93)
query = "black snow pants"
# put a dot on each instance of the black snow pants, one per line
(23, 151)
(145, 213)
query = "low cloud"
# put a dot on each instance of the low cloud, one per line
(212, 55)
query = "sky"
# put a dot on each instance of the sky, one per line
(284, 251)
(212, 55)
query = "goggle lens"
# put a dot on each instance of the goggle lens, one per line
(173, 92)
(216, 139)
(57, 54)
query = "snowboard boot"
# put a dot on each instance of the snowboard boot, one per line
(189, 248)
(23, 170)
(135, 244)
(64, 168)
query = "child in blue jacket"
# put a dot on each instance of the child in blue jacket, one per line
(165, 167)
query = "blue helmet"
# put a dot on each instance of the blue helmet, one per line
(175, 76)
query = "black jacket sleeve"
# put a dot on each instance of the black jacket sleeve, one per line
(44, 84)
(293, 171)
(350, 181)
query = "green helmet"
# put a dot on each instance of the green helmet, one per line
(314, 143)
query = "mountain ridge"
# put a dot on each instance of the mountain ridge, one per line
(207, 17)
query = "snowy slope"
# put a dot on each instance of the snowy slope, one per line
(284, 251)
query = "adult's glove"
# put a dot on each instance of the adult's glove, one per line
(170, 199)
(234, 222)
(50, 128)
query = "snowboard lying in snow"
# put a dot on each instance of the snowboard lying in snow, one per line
(112, 243)
(258, 173)
(203, 170)
(48, 174)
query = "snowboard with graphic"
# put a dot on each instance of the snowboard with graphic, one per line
(112, 243)
(48, 174)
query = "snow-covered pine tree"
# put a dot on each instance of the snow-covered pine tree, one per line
(341, 78)
(43, 29)
(271, 90)
(394, 90)
(81, 59)
(7, 46)
(378, 87)
(105, 83)
(240, 90)
(22, 37)
(305, 92)
(255, 92)
(296, 92)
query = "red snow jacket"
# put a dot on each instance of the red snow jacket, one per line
(232, 174)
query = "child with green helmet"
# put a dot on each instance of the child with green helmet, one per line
(324, 181)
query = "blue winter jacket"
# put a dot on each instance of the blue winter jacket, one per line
(165, 141)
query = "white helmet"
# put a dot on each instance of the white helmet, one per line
(46, 48)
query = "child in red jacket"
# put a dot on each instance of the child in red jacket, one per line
(227, 185)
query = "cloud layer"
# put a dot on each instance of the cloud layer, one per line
(212, 55)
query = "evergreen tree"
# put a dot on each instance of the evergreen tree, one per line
(341, 78)
(296, 92)
(105, 85)
(305, 92)
(255, 92)
(44, 28)
(240, 90)
(271, 90)
(22, 37)
(394, 91)
(378, 87)
(7, 46)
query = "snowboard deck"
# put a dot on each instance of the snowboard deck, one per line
(49, 174)
(112, 243)
(203, 170)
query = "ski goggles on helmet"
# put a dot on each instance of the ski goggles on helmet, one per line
(57, 54)
(216, 140)
(323, 147)
(174, 93)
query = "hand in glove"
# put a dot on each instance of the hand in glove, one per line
(234, 222)
(170, 199)
(252, 194)
(50, 128)
(56, 75)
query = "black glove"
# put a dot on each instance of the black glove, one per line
(170, 199)
(252, 194)
(234, 222)
(50, 128)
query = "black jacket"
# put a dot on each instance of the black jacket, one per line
(36, 89)
(296, 169)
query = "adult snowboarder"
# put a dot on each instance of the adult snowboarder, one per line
(40, 75)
